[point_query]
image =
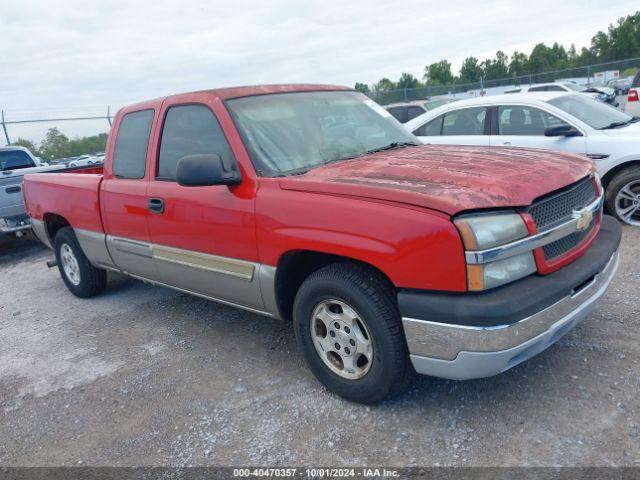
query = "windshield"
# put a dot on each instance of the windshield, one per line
(14, 160)
(293, 132)
(598, 115)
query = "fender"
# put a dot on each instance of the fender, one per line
(415, 247)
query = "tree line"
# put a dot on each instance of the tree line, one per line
(620, 41)
(57, 145)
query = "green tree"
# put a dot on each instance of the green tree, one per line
(363, 88)
(438, 73)
(496, 68)
(539, 59)
(384, 84)
(407, 80)
(470, 71)
(519, 64)
(23, 142)
(54, 145)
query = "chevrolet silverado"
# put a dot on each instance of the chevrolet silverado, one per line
(311, 204)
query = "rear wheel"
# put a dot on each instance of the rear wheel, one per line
(348, 326)
(622, 196)
(81, 278)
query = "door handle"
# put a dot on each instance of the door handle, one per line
(506, 143)
(13, 189)
(156, 205)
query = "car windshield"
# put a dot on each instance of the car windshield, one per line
(290, 133)
(15, 160)
(596, 114)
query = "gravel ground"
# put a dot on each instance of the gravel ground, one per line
(147, 376)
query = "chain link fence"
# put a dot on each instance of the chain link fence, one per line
(588, 73)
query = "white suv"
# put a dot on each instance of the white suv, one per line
(568, 122)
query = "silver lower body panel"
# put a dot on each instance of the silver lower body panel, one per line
(464, 352)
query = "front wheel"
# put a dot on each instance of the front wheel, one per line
(81, 278)
(622, 196)
(348, 326)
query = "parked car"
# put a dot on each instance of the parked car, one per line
(600, 93)
(632, 106)
(553, 120)
(405, 111)
(620, 85)
(14, 163)
(311, 204)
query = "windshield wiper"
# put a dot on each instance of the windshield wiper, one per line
(618, 124)
(391, 146)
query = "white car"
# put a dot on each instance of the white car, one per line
(600, 93)
(567, 122)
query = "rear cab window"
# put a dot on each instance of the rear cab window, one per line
(130, 153)
(191, 130)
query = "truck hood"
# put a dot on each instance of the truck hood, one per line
(450, 179)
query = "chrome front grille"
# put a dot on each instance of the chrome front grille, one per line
(558, 208)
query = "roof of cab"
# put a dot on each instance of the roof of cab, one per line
(237, 92)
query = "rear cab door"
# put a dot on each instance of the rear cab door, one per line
(123, 193)
(204, 238)
(461, 126)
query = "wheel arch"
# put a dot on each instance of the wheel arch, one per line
(607, 177)
(296, 265)
(53, 223)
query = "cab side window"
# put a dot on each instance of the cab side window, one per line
(468, 121)
(130, 152)
(431, 129)
(191, 130)
(522, 120)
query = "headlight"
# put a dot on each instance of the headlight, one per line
(485, 231)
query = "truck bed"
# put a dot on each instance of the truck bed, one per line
(72, 195)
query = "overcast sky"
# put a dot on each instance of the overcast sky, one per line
(77, 57)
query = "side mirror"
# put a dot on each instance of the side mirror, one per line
(562, 130)
(204, 171)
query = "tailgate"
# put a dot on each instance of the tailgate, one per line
(11, 201)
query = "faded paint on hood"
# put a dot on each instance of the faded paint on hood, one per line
(448, 178)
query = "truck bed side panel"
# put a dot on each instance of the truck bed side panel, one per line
(71, 195)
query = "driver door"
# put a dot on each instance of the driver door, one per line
(204, 238)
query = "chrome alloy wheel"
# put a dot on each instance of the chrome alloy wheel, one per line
(70, 264)
(342, 339)
(628, 203)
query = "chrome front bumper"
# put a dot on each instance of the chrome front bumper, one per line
(463, 352)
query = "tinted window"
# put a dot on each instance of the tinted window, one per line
(430, 129)
(131, 144)
(14, 160)
(469, 121)
(399, 113)
(517, 120)
(191, 130)
(414, 112)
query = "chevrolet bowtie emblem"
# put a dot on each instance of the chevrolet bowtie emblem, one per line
(584, 217)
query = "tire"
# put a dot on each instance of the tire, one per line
(81, 278)
(340, 292)
(622, 196)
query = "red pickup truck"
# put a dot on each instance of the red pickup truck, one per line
(311, 204)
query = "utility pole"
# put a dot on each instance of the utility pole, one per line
(4, 127)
